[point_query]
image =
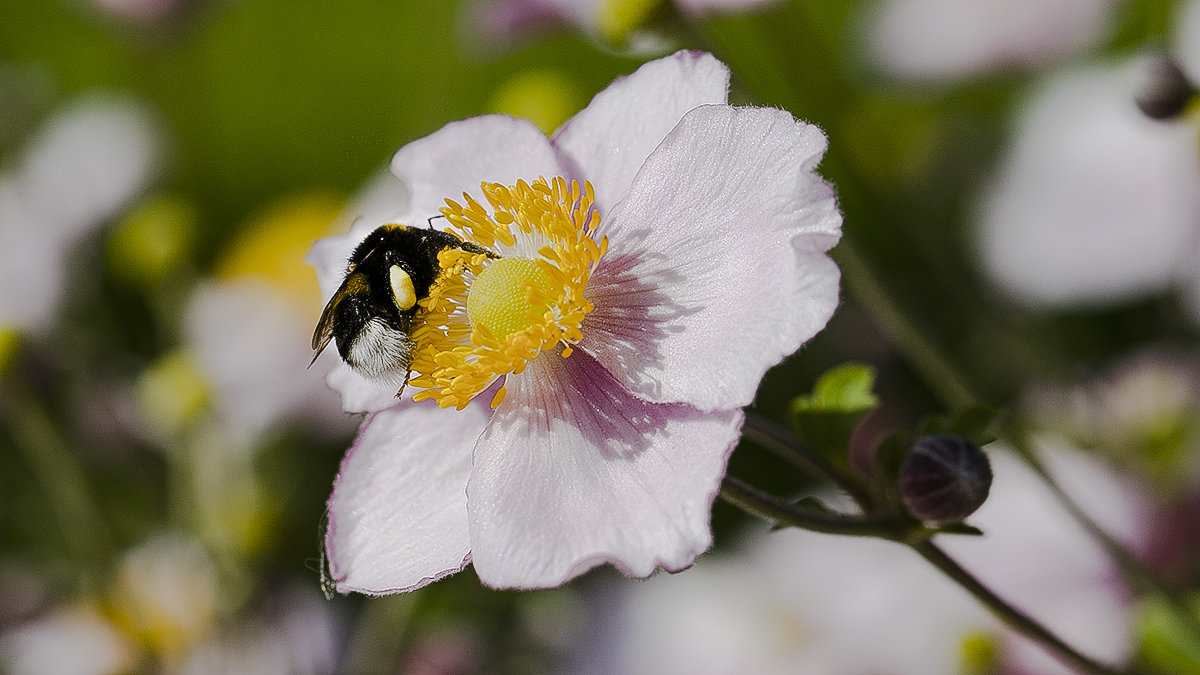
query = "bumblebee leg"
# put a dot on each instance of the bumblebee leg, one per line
(407, 374)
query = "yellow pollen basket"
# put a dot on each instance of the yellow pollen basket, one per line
(488, 316)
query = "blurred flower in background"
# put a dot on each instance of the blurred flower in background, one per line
(796, 601)
(617, 22)
(948, 39)
(1037, 554)
(1094, 201)
(88, 160)
(167, 609)
(248, 328)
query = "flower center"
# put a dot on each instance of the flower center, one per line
(488, 315)
(501, 299)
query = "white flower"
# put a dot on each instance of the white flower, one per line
(87, 162)
(931, 39)
(1094, 202)
(70, 640)
(691, 260)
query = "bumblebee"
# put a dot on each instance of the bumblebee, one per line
(371, 314)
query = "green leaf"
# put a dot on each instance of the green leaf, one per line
(1165, 643)
(825, 419)
(848, 388)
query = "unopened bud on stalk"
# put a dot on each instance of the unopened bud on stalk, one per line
(944, 478)
(1165, 91)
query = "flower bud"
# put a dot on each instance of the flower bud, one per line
(944, 478)
(1165, 91)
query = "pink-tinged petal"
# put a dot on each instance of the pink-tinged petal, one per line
(607, 142)
(716, 268)
(398, 514)
(461, 155)
(574, 472)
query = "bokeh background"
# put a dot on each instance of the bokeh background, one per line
(1017, 233)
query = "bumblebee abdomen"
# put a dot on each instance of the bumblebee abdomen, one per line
(371, 315)
(372, 341)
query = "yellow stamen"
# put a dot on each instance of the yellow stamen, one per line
(485, 318)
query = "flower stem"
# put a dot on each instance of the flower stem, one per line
(758, 503)
(768, 507)
(1012, 616)
(58, 470)
(918, 349)
(769, 435)
(1135, 573)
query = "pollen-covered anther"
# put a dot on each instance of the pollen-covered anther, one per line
(488, 316)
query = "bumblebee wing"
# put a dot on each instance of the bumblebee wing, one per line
(324, 331)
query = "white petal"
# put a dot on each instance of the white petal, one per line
(608, 141)
(716, 268)
(1095, 203)
(32, 258)
(74, 640)
(398, 514)
(461, 155)
(574, 472)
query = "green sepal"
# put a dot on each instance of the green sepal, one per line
(958, 528)
(825, 419)
(890, 454)
(975, 423)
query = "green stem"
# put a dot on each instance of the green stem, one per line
(917, 348)
(1131, 568)
(1012, 616)
(58, 471)
(764, 432)
(768, 507)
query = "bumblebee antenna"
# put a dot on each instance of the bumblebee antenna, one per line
(430, 220)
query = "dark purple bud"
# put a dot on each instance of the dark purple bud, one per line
(1165, 91)
(944, 478)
